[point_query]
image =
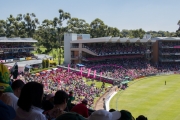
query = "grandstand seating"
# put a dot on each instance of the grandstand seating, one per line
(112, 49)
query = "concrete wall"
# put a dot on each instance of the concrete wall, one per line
(68, 37)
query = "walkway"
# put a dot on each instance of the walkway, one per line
(99, 104)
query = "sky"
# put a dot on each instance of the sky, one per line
(124, 14)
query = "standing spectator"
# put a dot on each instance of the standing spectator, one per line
(70, 99)
(81, 108)
(30, 102)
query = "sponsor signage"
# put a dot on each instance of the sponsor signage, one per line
(178, 46)
(21, 59)
(177, 53)
(9, 60)
(28, 58)
(2, 61)
(83, 36)
(177, 60)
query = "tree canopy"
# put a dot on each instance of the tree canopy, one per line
(49, 32)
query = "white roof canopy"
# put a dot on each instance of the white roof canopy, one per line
(113, 39)
(18, 39)
(167, 38)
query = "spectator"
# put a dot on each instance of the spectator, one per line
(81, 108)
(70, 116)
(30, 102)
(126, 115)
(141, 117)
(6, 112)
(10, 98)
(105, 115)
(60, 103)
(112, 110)
(17, 85)
(48, 103)
(70, 99)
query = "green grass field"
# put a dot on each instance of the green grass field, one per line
(151, 97)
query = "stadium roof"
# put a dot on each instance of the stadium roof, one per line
(18, 39)
(166, 38)
(42, 56)
(113, 39)
(24, 63)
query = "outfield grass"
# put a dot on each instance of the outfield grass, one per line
(151, 97)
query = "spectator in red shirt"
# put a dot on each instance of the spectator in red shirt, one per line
(81, 108)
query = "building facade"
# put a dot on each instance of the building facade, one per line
(78, 48)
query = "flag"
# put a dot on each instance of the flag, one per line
(100, 75)
(94, 73)
(81, 71)
(68, 68)
(89, 71)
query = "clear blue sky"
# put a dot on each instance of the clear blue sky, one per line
(123, 14)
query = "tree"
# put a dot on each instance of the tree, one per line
(21, 26)
(126, 33)
(45, 36)
(30, 22)
(179, 25)
(58, 24)
(47, 63)
(9, 26)
(43, 63)
(98, 28)
(78, 26)
(139, 33)
(114, 32)
(2, 28)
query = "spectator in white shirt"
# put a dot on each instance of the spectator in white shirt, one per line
(11, 98)
(30, 102)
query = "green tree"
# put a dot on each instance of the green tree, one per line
(47, 63)
(114, 32)
(139, 33)
(30, 22)
(43, 63)
(60, 30)
(2, 28)
(98, 28)
(78, 26)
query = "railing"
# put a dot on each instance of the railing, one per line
(74, 46)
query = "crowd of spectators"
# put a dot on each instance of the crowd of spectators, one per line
(16, 55)
(170, 51)
(170, 57)
(121, 68)
(14, 45)
(169, 44)
(32, 104)
(62, 80)
(15, 48)
(112, 49)
(168, 66)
